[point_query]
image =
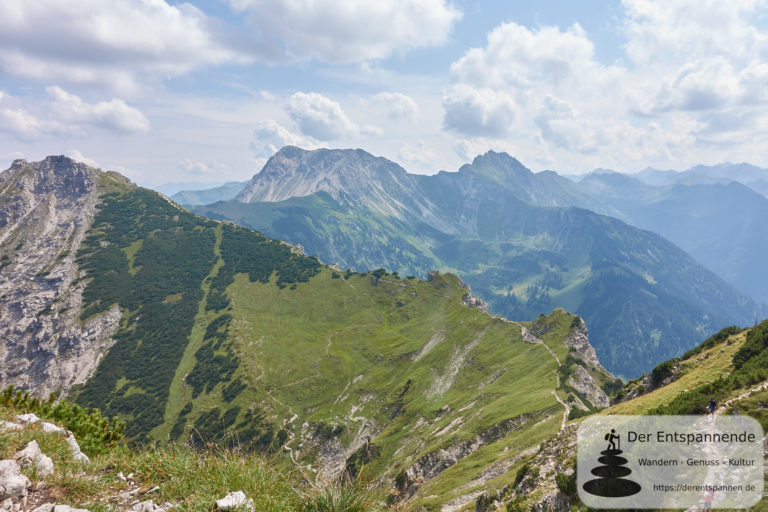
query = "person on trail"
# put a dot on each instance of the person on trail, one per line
(712, 405)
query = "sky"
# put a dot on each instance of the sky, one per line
(206, 91)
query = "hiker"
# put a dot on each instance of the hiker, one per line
(712, 405)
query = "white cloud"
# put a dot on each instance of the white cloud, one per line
(108, 43)
(346, 31)
(478, 111)
(418, 156)
(692, 88)
(398, 105)
(113, 115)
(269, 136)
(17, 121)
(79, 157)
(322, 118)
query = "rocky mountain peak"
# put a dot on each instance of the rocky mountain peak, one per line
(500, 167)
(348, 175)
(55, 174)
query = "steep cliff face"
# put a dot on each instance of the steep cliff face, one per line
(45, 210)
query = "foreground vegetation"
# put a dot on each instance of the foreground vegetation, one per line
(188, 478)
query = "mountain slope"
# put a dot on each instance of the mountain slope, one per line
(220, 334)
(721, 225)
(644, 299)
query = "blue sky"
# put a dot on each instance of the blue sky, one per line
(207, 90)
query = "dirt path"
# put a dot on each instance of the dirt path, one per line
(746, 394)
(529, 337)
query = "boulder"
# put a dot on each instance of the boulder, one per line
(12, 483)
(75, 448)
(27, 418)
(53, 429)
(31, 455)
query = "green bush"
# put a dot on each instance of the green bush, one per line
(95, 433)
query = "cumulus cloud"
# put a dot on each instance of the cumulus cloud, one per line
(17, 121)
(346, 31)
(67, 113)
(694, 78)
(322, 118)
(108, 43)
(398, 105)
(113, 115)
(269, 136)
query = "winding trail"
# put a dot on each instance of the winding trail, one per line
(529, 337)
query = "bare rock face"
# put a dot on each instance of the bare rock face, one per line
(578, 338)
(46, 209)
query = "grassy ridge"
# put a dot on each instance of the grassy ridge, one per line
(231, 338)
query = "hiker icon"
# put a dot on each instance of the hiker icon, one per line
(610, 483)
(611, 437)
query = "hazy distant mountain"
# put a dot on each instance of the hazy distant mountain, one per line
(754, 177)
(721, 225)
(211, 195)
(644, 299)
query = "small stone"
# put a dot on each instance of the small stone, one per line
(47, 507)
(234, 500)
(144, 506)
(121, 476)
(9, 425)
(154, 489)
(67, 508)
(130, 476)
(32, 456)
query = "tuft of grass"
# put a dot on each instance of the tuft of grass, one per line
(345, 496)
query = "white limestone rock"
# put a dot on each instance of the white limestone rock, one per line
(12, 483)
(234, 500)
(31, 455)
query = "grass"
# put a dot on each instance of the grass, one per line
(192, 480)
(712, 363)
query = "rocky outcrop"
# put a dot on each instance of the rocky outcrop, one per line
(583, 382)
(432, 464)
(46, 209)
(578, 339)
(554, 457)
(32, 456)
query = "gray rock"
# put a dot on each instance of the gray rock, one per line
(9, 425)
(234, 500)
(31, 455)
(77, 455)
(46, 209)
(53, 429)
(145, 506)
(12, 483)
(27, 418)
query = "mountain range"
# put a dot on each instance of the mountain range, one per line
(526, 242)
(200, 331)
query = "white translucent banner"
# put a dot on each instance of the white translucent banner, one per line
(670, 462)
